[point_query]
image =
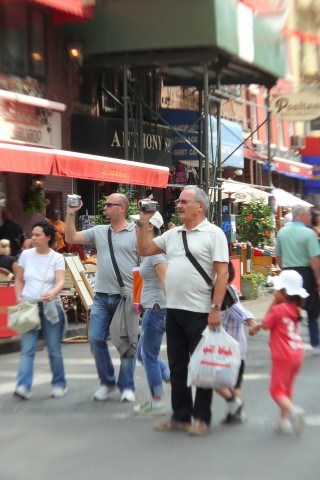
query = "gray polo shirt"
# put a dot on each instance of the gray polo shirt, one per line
(186, 289)
(125, 251)
(152, 291)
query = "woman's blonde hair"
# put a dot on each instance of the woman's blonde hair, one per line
(5, 248)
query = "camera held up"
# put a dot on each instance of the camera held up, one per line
(73, 200)
(148, 205)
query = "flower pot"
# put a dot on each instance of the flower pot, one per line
(249, 290)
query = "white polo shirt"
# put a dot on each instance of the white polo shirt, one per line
(186, 289)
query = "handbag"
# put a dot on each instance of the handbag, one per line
(215, 362)
(25, 316)
(230, 297)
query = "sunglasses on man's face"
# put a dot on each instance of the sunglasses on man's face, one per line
(109, 205)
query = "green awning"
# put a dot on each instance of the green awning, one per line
(177, 36)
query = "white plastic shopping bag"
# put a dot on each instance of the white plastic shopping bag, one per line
(216, 361)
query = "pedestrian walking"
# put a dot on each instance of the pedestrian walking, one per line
(40, 278)
(153, 302)
(282, 319)
(297, 248)
(233, 320)
(107, 289)
(190, 304)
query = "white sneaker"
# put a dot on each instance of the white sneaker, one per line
(284, 427)
(58, 392)
(103, 392)
(297, 420)
(234, 406)
(150, 409)
(316, 351)
(127, 396)
(23, 392)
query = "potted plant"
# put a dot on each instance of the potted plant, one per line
(251, 285)
(34, 201)
(255, 223)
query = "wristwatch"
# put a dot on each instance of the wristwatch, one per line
(215, 306)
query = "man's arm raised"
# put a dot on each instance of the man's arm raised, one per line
(145, 247)
(71, 235)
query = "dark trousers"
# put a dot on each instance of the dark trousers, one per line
(184, 330)
(312, 305)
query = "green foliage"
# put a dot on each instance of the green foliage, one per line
(255, 278)
(174, 219)
(255, 223)
(34, 201)
(100, 219)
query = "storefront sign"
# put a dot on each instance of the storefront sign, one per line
(29, 124)
(105, 136)
(297, 106)
(231, 137)
(185, 121)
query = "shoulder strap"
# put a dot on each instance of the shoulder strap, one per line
(195, 262)
(114, 263)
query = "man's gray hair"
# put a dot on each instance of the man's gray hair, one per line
(200, 196)
(297, 210)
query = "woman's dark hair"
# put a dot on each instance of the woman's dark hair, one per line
(48, 230)
(156, 231)
(231, 272)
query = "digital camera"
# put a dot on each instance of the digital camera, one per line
(147, 205)
(73, 200)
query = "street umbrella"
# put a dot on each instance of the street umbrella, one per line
(242, 192)
(285, 199)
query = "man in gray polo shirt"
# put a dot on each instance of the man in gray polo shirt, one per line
(190, 307)
(107, 296)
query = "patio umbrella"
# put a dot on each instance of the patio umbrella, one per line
(285, 199)
(242, 192)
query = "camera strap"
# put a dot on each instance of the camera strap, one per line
(114, 263)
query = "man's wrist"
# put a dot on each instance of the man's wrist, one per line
(72, 214)
(215, 306)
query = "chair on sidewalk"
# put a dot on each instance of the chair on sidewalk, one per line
(82, 285)
(6, 277)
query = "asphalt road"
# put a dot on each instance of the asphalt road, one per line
(78, 438)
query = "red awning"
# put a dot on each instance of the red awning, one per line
(292, 168)
(46, 161)
(248, 153)
(64, 11)
(72, 7)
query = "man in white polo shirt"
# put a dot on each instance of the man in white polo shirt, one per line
(190, 306)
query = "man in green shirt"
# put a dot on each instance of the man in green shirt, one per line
(298, 248)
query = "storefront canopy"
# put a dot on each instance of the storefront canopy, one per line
(44, 161)
(178, 37)
(64, 11)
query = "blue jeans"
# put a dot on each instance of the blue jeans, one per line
(52, 335)
(102, 311)
(152, 330)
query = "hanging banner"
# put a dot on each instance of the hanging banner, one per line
(301, 106)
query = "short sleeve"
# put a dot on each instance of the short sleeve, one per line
(271, 318)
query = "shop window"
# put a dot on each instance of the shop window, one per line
(22, 35)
